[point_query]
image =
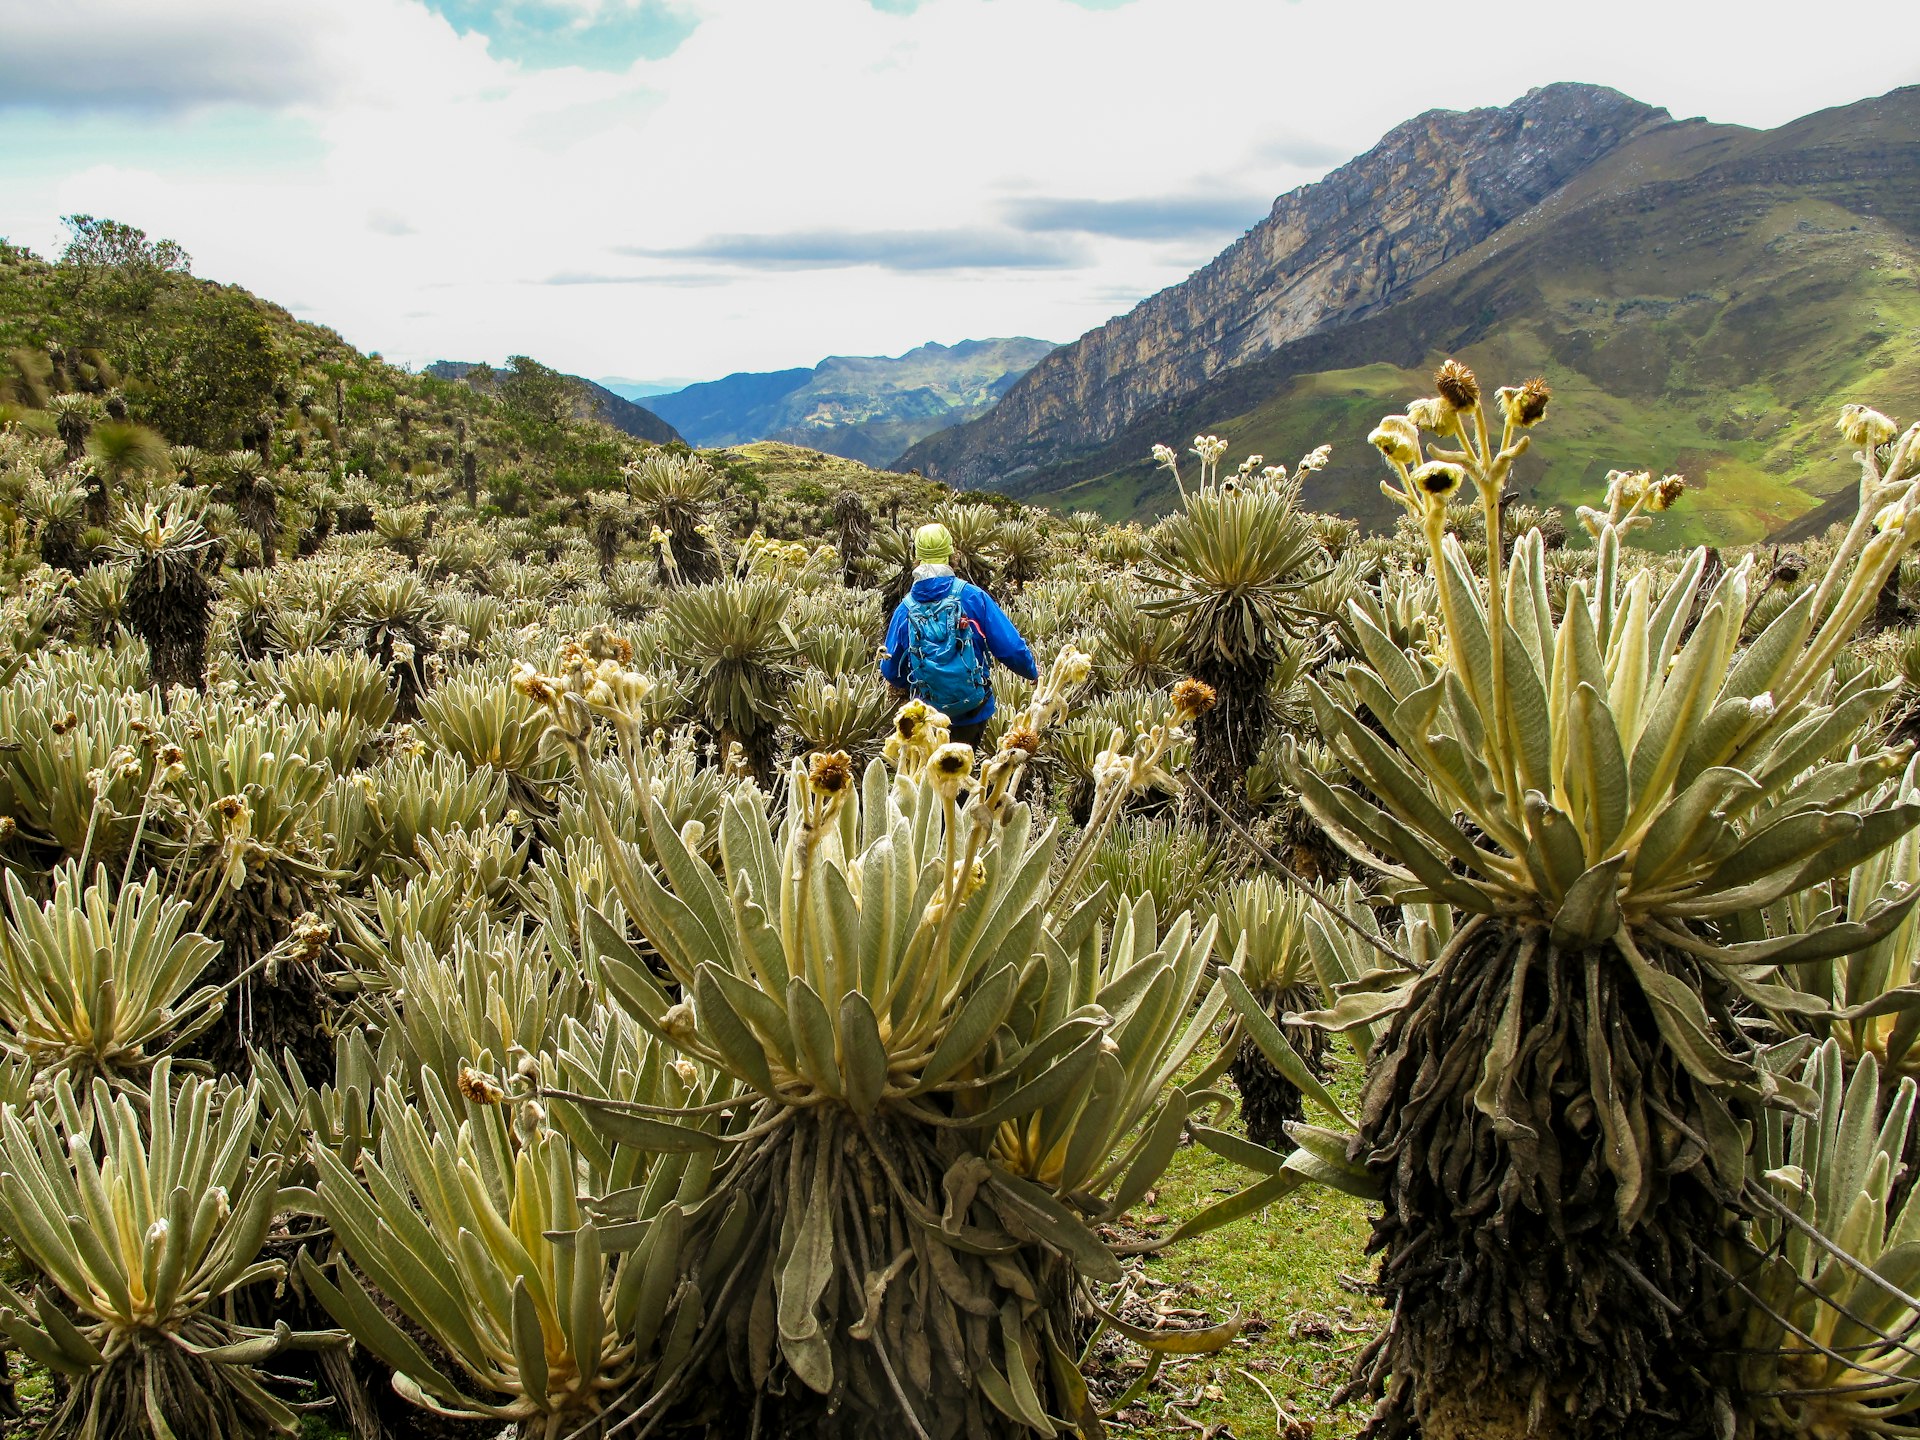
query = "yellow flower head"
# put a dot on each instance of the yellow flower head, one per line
(1193, 698)
(1863, 426)
(1397, 438)
(1438, 479)
(1663, 492)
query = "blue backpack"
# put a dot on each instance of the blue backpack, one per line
(943, 662)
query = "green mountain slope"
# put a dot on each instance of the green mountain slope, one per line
(864, 407)
(1706, 298)
(218, 368)
(595, 401)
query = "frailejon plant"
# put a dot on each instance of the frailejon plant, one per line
(942, 1081)
(1556, 1114)
(145, 1220)
(1265, 926)
(467, 1214)
(1229, 566)
(1827, 1342)
(95, 982)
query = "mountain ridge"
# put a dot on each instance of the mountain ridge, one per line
(1327, 253)
(862, 407)
(1703, 299)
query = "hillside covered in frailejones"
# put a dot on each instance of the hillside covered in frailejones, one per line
(122, 351)
(1705, 296)
(120, 327)
(592, 401)
(864, 407)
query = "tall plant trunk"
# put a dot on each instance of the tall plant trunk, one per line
(173, 617)
(1532, 1292)
(1227, 739)
(919, 1342)
(1269, 1102)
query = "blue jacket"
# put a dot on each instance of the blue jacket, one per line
(995, 637)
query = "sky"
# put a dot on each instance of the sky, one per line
(678, 189)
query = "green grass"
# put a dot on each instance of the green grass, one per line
(1292, 1272)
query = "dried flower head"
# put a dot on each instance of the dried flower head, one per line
(1021, 737)
(829, 774)
(1193, 698)
(1663, 492)
(1864, 426)
(1526, 406)
(535, 686)
(1458, 385)
(1431, 413)
(310, 935)
(480, 1089)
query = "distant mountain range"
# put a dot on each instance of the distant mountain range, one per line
(595, 401)
(1702, 298)
(864, 407)
(628, 389)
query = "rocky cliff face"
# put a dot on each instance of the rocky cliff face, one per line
(1329, 253)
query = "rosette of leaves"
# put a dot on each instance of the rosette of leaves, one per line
(1020, 548)
(945, 1080)
(144, 1220)
(1264, 926)
(399, 622)
(851, 711)
(676, 493)
(975, 528)
(98, 981)
(382, 815)
(837, 649)
(57, 512)
(1830, 1261)
(1572, 1073)
(731, 639)
(466, 1215)
(74, 778)
(1133, 649)
(489, 724)
(342, 683)
(174, 560)
(1180, 867)
(1228, 568)
(260, 864)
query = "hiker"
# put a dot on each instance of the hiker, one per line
(945, 637)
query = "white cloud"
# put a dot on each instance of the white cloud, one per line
(799, 177)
